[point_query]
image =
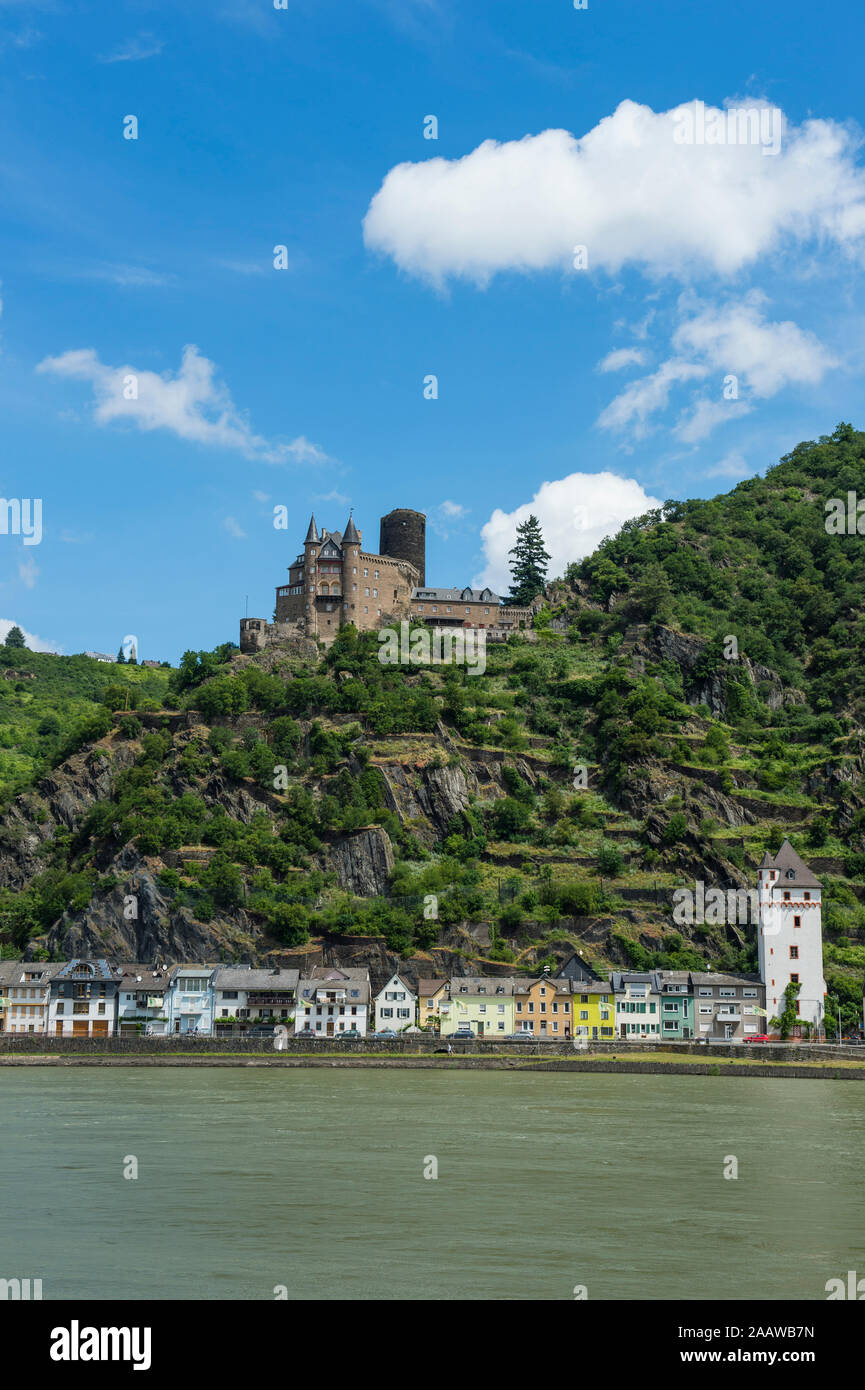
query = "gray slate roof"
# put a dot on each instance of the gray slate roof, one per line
(793, 872)
(258, 981)
(467, 595)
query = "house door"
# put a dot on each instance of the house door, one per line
(79, 1030)
(594, 1035)
(100, 1029)
(543, 1027)
(728, 1030)
(480, 1029)
(330, 1027)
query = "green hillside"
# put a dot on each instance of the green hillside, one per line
(252, 803)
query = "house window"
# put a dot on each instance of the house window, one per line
(794, 952)
(786, 897)
(797, 921)
(807, 897)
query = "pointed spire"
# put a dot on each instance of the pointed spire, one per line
(312, 533)
(350, 535)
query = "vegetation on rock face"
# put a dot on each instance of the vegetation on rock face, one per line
(554, 802)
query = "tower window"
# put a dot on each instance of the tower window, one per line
(797, 921)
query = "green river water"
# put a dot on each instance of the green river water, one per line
(313, 1180)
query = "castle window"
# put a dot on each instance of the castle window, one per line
(786, 897)
(375, 593)
(467, 610)
(375, 574)
(807, 897)
(366, 610)
(354, 569)
(366, 574)
(797, 921)
(395, 593)
(366, 591)
(486, 610)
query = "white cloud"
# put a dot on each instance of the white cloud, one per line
(728, 340)
(36, 644)
(28, 572)
(234, 528)
(732, 465)
(647, 395)
(622, 357)
(261, 496)
(766, 356)
(575, 513)
(698, 422)
(628, 192)
(193, 404)
(136, 50)
(443, 519)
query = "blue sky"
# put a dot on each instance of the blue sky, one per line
(583, 394)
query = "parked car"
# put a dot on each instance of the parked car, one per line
(759, 1037)
(521, 1036)
(262, 1030)
(463, 1034)
(384, 1033)
(304, 1033)
(349, 1033)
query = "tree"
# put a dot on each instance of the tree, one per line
(529, 567)
(789, 1015)
(15, 638)
(121, 659)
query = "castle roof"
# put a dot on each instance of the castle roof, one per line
(467, 595)
(312, 533)
(350, 535)
(792, 871)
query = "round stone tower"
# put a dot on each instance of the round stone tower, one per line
(403, 535)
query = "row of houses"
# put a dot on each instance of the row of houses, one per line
(82, 998)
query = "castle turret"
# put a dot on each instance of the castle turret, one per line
(310, 576)
(403, 536)
(351, 543)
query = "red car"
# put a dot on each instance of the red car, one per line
(759, 1037)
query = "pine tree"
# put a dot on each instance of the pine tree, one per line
(121, 659)
(529, 566)
(15, 638)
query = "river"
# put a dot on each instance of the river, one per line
(310, 1184)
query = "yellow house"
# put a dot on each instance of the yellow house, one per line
(431, 995)
(543, 1007)
(483, 1004)
(594, 1009)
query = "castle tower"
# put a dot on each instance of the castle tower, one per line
(403, 535)
(790, 934)
(310, 577)
(351, 543)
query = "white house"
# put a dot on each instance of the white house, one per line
(190, 999)
(638, 1003)
(790, 934)
(243, 996)
(395, 1006)
(28, 994)
(142, 1000)
(330, 1001)
(83, 1000)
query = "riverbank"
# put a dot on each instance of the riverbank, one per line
(657, 1063)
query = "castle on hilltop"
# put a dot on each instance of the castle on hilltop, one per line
(334, 581)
